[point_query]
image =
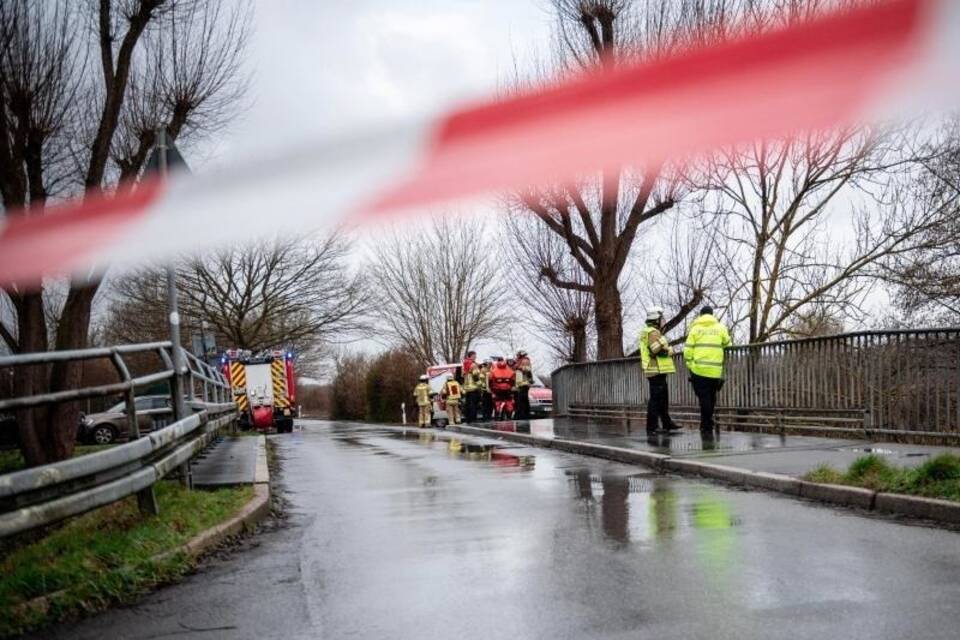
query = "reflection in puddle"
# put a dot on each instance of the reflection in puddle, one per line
(468, 449)
(643, 508)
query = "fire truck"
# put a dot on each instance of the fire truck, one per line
(263, 387)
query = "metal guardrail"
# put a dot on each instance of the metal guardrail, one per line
(901, 382)
(46, 494)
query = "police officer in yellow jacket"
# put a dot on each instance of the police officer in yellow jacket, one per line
(657, 362)
(703, 354)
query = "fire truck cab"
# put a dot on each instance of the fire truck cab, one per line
(263, 387)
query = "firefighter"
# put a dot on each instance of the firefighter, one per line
(524, 380)
(657, 363)
(703, 355)
(472, 390)
(451, 397)
(486, 398)
(469, 361)
(422, 394)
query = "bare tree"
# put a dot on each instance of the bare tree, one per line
(804, 221)
(927, 281)
(439, 288)
(601, 216)
(297, 293)
(564, 317)
(83, 86)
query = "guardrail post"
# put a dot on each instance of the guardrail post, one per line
(146, 499)
(176, 391)
(866, 422)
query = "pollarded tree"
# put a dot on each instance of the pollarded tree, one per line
(602, 216)
(83, 88)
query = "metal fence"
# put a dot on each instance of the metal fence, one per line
(49, 493)
(902, 382)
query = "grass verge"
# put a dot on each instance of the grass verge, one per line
(938, 477)
(106, 556)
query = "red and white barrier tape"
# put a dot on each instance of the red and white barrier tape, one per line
(843, 67)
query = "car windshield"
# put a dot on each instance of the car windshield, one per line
(120, 407)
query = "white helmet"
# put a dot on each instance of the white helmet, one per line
(424, 377)
(654, 313)
(449, 376)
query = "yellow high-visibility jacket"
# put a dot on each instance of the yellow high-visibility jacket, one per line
(483, 380)
(655, 353)
(703, 350)
(451, 392)
(471, 381)
(422, 393)
(524, 373)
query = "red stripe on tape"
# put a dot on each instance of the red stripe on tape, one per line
(808, 76)
(64, 235)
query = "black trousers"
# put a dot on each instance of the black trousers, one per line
(472, 406)
(523, 403)
(706, 390)
(658, 406)
(486, 405)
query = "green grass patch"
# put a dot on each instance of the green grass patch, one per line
(938, 477)
(12, 460)
(106, 556)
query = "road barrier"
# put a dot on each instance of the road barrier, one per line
(888, 383)
(50, 493)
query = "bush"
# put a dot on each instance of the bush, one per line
(348, 400)
(390, 381)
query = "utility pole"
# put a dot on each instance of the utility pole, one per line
(179, 363)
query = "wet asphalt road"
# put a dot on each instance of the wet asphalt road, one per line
(390, 537)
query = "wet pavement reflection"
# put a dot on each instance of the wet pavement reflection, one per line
(421, 534)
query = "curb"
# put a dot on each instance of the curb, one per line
(943, 511)
(917, 507)
(253, 512)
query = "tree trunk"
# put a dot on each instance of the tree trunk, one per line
(579, 343)
(576, 328)
(31, 423)
(72, 333)
(609, 318)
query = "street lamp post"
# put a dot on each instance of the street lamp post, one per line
(173, 317)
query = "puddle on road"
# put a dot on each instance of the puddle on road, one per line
(647, 508)
(880, 451)
(639, 508)
(494, 453)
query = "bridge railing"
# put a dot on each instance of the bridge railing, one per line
(902, 382)
(46, 494)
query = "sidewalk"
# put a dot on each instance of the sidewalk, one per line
(781, 454)
(762, 461)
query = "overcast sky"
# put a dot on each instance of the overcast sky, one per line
(340, 66)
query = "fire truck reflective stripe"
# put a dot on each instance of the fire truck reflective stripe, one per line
(279, 375)
(238, 379)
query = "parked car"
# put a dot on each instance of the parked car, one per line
(153, 412)
(541, 401)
